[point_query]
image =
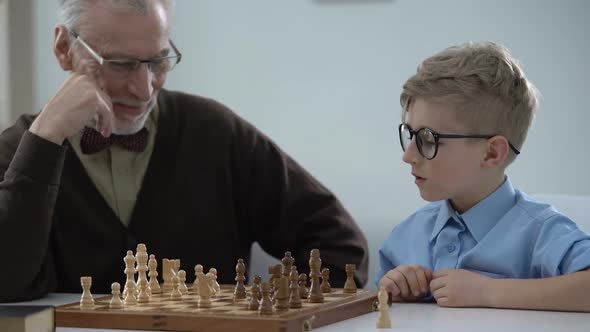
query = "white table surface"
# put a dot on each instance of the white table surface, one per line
(422, 317)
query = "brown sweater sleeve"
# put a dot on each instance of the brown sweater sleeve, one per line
(289, 209)
(31, 169)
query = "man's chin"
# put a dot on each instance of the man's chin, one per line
(127, 127)
(125, 124)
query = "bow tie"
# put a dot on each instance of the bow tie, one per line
(92, 141)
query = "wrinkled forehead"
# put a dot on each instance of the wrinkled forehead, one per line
(126, 30)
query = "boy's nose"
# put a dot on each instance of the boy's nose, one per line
(411, 154)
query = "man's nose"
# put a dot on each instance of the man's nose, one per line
(141, 82)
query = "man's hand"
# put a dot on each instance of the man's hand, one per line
(460, 288)
(80, 100)
(407, 283)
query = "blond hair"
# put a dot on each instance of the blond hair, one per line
(485, 84)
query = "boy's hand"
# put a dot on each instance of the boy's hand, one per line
(407, 282)
(459, 288)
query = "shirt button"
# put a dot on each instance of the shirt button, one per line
(451, 247)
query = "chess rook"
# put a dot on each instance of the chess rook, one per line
(86, 300)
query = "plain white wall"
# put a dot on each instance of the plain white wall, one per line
(323, 77)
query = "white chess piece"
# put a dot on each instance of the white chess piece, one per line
(130, 298)
(203, 287)
(116, 301)
(141, 258)
(153, 274)
(86, 301)
(215, 283)
(211, 279)
(383, 322)
(176, 294)
(129, 271)
(181, 280)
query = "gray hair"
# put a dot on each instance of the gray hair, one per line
(71, 11)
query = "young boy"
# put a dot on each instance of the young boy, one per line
(480, 243)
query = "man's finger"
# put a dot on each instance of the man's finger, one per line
(105, 115)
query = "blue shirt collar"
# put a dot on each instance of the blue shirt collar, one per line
(482, 217)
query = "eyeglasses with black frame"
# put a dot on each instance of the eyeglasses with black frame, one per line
(427, 140)
(157, 65)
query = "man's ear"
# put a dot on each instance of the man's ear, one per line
(496, 152)
(62, 48)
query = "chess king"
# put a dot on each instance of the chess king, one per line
(114, 158)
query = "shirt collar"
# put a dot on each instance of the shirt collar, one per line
(482, 217)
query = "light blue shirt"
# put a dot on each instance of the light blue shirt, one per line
(506, 235)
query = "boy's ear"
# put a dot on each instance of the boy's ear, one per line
(497, 152)
(62, 48)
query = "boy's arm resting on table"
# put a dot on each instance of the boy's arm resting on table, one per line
(462, 288)
(31, 169)
(569, 292)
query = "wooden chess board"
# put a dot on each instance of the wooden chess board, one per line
(165, 314)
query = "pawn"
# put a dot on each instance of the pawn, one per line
(303, 292)
(383, 321)
(203, 288)
(255, 297)
(154, 285)
(116, 301)
(86, 301)
(130, 298)
(325, 286)
(176, 293)
(257, 280)
(215, 283)
(349, 284)
(181, 282)
(211, 279)
(266, 303)
(143, 295)
(198, 269)
(294, 298)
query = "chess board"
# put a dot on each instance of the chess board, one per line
(165, 314)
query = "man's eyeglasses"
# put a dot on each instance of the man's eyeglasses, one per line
(427, 140)
(157, 66)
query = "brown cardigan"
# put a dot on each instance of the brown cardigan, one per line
(214, 185)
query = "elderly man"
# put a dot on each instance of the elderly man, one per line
(114, 160)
